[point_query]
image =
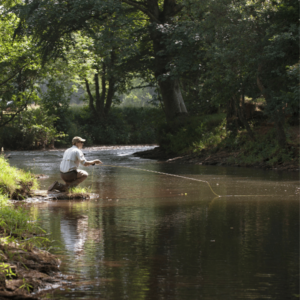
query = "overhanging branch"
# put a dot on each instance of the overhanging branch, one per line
(141, 87)
(142, 9)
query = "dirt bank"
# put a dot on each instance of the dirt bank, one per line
(25, 272)
(220, 158)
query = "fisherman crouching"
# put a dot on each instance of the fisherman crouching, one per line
(69, 172)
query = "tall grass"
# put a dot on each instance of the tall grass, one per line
(13, 180)
(16, 222)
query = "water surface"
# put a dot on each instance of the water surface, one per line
(153, 236)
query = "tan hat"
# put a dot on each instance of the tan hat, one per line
(77, 139)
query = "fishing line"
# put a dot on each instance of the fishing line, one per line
(188, 178)
(162, 173)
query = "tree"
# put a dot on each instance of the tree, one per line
(53, 23)
(251, 49)
(19, 69)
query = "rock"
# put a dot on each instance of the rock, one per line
(45, 195)
(13, 284)
(41, 176)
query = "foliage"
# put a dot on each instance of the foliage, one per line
(19, 70)
(198, 133)
(128, 125)
(26, 285)
(55, 102)
(126, 38)
(6, 270)
(33, 129)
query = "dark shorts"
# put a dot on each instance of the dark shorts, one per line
(69, 176)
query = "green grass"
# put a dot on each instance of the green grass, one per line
(264, 149)
(15, 221)
(14, 181)
(79, 190)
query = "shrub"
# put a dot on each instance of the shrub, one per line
(32, 129)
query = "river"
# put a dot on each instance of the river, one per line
(158, 237)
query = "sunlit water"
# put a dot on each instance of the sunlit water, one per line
(151, 236)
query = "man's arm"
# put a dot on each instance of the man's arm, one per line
(93, 162)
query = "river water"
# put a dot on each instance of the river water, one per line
(153, 236)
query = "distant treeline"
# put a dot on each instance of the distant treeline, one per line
(35, 129)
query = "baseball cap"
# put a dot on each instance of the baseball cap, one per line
(77, 139)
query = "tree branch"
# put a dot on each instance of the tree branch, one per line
(97, 88)
(5, 81)
(17, 112)
(142, 9)
(103, 83)
(141, 87)
(91, 102)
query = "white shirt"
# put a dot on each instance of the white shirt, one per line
(72, 157)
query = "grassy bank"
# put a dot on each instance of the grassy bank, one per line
(15, 221)
(15, 183)
(205, 140)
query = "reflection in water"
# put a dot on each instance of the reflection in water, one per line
(151, 236)
(74, 234)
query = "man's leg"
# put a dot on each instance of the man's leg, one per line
(69, 178)
(81, 176)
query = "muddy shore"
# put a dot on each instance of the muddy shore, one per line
(220, 158)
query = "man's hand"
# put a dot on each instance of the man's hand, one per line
(97, 162)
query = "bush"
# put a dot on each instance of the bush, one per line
(32, 129)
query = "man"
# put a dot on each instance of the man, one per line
(69, 171)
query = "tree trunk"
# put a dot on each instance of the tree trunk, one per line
(278, 115)
(109, 97)
(241, 115)
(99, 97)
(172, 99)
(159, 17)
(279, 123)
(231, 118)
(91, 98)
(169, 87)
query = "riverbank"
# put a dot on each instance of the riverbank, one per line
(220, 158)
(206, 140)
(26, 271)
(262, 153)
(25, 267)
